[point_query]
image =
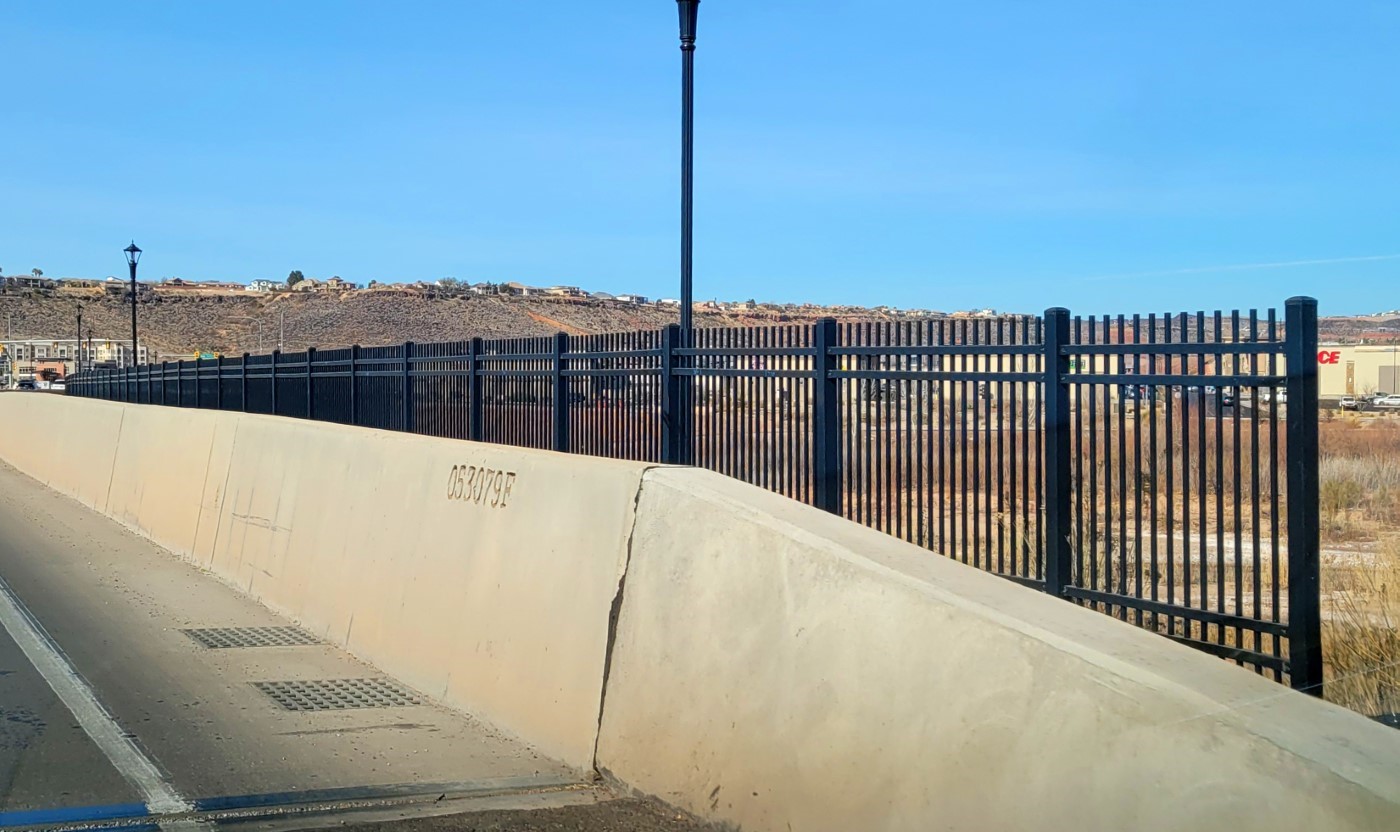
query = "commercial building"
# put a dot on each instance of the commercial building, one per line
(26, 358)
(1358, 370)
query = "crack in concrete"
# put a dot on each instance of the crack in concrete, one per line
(614, 613)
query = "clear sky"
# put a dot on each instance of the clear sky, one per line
(1109, 157)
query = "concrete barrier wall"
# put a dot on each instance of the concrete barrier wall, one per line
(71, 450)
(778, 668)
(480, 574)
(770, 667)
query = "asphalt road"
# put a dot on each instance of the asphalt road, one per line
(108, 709)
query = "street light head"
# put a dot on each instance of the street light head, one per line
(133, 254)
(690, 10)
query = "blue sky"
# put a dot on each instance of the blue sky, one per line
(1110, 157)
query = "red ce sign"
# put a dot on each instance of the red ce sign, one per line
(1328, 356)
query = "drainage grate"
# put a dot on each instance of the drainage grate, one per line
(223, 637)
(336, 694)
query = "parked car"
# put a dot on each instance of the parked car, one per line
(27, 384)
(1349, 403)
(1227, 397)
(1389, 401)
(1377, 397)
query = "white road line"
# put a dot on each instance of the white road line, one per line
(48, 658)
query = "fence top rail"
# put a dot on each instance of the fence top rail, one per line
(756, 350)
(992, 376)
(939, 349)
(1177, 348)
(644, 352)
(516, 356)
(1150, 379)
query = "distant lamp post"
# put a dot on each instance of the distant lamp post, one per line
(133, 256)
(78, 348)
(689, 10)
(257, 321)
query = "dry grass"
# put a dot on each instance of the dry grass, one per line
(1360, 639)
(1360, 504)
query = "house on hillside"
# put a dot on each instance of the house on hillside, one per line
(565, 292)
(19, 282)
(519, 289)
(668, 302)
(640, 300)
(307, 284)
(603, 296)
(115, 287)
(335, 284)
(266, 285)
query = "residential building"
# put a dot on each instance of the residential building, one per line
(566, 292)
(668, 302)
(335, 284)
(638, 299)
(23, 282)
(122, 288)
(266, 285)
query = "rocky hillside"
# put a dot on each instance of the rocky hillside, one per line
(228, 323)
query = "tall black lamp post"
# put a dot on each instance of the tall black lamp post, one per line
(78, 350)
(689, 10)
(133, 256)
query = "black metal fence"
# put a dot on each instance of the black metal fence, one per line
(1159, 468)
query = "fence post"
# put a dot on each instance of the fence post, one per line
(1058, 483)
(826, 417)
(354, 384)
(275, 354)
(243, 377)
(560, 411)
(408, 386)
(1301, 455)
(474, 387)
(219, 382)
(670, 396)
(310, 385)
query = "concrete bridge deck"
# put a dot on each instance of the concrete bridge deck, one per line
(110, 710)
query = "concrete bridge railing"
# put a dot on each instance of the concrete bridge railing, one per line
(746, 658)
